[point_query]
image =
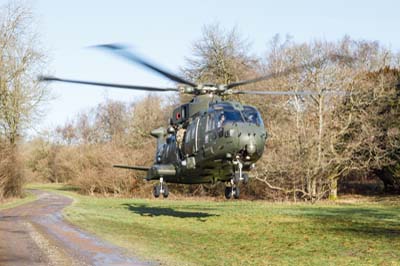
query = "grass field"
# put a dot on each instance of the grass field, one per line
(200, 232)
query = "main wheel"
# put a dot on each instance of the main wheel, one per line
(156, 190)
(228, 192)
(166, 191)
(236, 192)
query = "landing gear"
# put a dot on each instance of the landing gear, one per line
(157, 190)
(236, 192)
(161, 189)
(238, 176)
(228, 192)
(232, 190)
(166, 191)
(245, 178)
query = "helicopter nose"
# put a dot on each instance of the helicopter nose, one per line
(248, 143)
(251, 140)
(251, 148)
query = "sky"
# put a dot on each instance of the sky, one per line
(164, 31)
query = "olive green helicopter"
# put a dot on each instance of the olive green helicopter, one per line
(208, 139)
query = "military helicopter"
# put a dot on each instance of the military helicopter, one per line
(208, 139)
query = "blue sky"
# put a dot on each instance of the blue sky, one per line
(165, 30)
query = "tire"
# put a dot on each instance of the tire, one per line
(166, 191)
(156, 190)
(228, 192)
(236, 192)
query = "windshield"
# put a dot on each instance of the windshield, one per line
(252, 115)
(228, 114)
(232, 116)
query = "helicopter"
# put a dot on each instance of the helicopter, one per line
(209, 139)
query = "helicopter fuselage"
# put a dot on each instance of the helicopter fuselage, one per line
(216, 142)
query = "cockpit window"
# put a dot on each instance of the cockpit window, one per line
(229, 116)
(227, 113)
(233, 116)
(252, 115)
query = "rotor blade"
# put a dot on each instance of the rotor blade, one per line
(333, 57)
(122, 51)
(276, 92)
(290, 92)
(139, 168)
(113, 85)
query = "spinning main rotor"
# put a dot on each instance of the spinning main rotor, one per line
(188, 87)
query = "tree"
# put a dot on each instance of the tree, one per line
(316, 135)
(373, 126)
(21, 95)
(219, 56)
(21, 60)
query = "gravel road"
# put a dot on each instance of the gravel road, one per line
(36, 234)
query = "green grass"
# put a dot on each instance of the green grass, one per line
(28, 197)
(243, 232)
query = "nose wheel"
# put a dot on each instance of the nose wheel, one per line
(161, 188)
(232, 190)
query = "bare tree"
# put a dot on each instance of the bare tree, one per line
(21, 60)
(112, 119)
(21, 95)
(373, 126)
(314, 132)
(219, 56)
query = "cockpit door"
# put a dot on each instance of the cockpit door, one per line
(196, 135)
(201, 132)
(210, 130)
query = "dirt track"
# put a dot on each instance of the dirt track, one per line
(36, 234)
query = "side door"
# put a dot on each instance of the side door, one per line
(190, 138)
(201, 132)
(210, 135)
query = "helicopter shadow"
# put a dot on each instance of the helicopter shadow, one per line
(145, 210)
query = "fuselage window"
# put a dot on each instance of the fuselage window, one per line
(210, 123)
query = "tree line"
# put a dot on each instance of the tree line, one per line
(349, 131)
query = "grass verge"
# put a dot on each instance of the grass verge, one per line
(14, 202)
(243, 232)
